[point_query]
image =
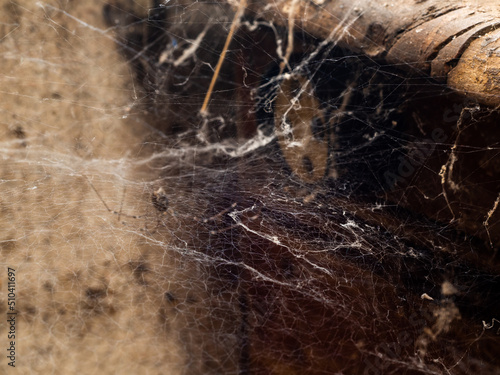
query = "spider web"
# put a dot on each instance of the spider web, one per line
(327, 213)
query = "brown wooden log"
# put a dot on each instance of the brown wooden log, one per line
(456, 42)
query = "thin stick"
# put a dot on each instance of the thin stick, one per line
(235, 23)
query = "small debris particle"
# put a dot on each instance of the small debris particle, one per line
(426, 296)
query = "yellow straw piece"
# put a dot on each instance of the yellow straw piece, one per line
(234, 24)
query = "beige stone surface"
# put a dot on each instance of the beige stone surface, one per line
(91, 289)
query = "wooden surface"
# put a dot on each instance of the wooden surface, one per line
(425, 37)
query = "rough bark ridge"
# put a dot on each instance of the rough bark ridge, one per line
(457, 42)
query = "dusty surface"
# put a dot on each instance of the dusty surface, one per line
(86, 300)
